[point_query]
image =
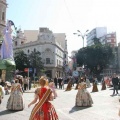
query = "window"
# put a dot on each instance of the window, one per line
(47, 60)
(28, 51)
(65, 55)
(109, 35)
(108, 40)
(22, 42)
(3, 16)
(34, 50)
(57, 61)
(15, 43)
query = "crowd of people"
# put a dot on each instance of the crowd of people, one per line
(43, 110)
(47, 92)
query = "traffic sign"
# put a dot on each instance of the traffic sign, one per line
(26, 70)
(30, 69)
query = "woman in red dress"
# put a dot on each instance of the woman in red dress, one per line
(43, 110)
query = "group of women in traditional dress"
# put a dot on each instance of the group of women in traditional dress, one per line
(43, 109)
(83, 97)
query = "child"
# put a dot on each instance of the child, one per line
(2, 92)
(6, 89)
(52, 86)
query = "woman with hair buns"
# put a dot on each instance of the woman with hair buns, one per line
(95, 88)
(83, 97)
(69, 86)
(43, 110)
(15, 101)
(79, 81)
(2, 93)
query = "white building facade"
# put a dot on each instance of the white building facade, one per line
(52, 46)
(95, 33)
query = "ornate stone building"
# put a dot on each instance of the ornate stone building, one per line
(53, 48)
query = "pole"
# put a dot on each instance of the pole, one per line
(34, 76)
(83, 40)
(28, 78)
(34, 80)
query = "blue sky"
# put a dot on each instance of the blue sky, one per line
(66, 16)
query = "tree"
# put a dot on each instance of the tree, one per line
(36, 61)
(95, 57)
(33, 60)
(21, 60)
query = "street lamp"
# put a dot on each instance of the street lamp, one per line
(82, 35)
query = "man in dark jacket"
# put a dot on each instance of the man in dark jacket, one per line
(59, 83)
(56, 82)
(115, 82)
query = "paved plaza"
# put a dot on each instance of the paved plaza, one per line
(105, 107)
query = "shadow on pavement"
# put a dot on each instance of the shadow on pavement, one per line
(75, 108)
(111, 89)
(7, 112)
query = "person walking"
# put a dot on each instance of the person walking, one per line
(69, 86)
(25, 83)
(103, 85)
(115, 82)
(20, 79)
(6, 89)
(83, 97)
(59, 82)
(88, 82)
(79, 81)
(56, 82)
(2, 93)
(15, 101)
(52, 86)
(95, 82)
(43, 110)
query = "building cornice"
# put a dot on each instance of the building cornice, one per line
(1, 1)
(34, 43)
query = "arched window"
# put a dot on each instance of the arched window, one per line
(34, 50)
(47, 60)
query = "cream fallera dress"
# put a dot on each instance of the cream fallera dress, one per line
(83, 97)
(15, 101)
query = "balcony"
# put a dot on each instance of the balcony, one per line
(59, 66)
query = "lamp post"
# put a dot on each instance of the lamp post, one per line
(82, 35)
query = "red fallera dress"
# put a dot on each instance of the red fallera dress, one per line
(47, 110)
